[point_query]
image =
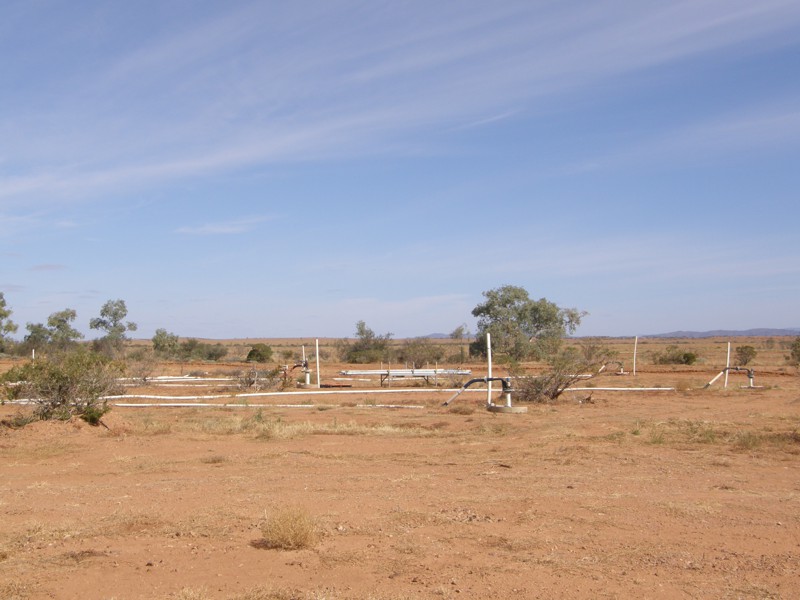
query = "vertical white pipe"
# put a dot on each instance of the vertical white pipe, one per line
(635, 345)
(306, 372)
(489, 356)
(727, 364)
(319, 383)
(33, 353)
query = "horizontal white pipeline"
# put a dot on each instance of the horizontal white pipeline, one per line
(620, 389)
(217, 405)
(303, 393)
(407, 372)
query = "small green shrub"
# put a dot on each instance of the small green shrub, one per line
(94, 412)
(193, 349)
(66, 385)
(673, 355)
(259, 353)
(794, 350)
(745, 354)
(368, 347)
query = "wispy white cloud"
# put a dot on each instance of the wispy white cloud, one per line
(254, 85)
(48, 267)
(223, 227)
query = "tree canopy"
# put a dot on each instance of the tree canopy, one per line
(62, 333)
(7, 326)
(520, 326)
(112, 321)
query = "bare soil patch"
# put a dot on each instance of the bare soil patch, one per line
(684, 494)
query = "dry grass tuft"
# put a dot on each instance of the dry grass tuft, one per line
(190, 594)
(461, 409)
(215, 459)
(289, 529)
(14, 591)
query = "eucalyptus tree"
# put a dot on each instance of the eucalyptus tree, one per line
(521, 327)
(112, 321)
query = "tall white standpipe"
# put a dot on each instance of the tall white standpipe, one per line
(635, 346)
(727, 364)
(489, 356)
(319, 383)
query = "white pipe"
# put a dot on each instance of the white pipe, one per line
(489, 357)
(727, 365)
(210, 405)
(316, 358)
(304, 393)
(621, 389)
(635, 345)
(720, 374)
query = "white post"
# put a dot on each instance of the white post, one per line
(319, 383)
(635, 345)
(489, 376)
(727, 364)
(33, 353)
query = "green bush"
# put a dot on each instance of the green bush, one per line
(66, 385)
(165, 343)
(368, 347)
(673, 355)
(259, 353)
(745, 354)
(214, 352)
(795, 350)
(193, 349)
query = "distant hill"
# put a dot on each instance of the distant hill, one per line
(762, 332)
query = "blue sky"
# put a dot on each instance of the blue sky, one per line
(276, 168)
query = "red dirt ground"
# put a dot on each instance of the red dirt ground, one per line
(684, 494)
